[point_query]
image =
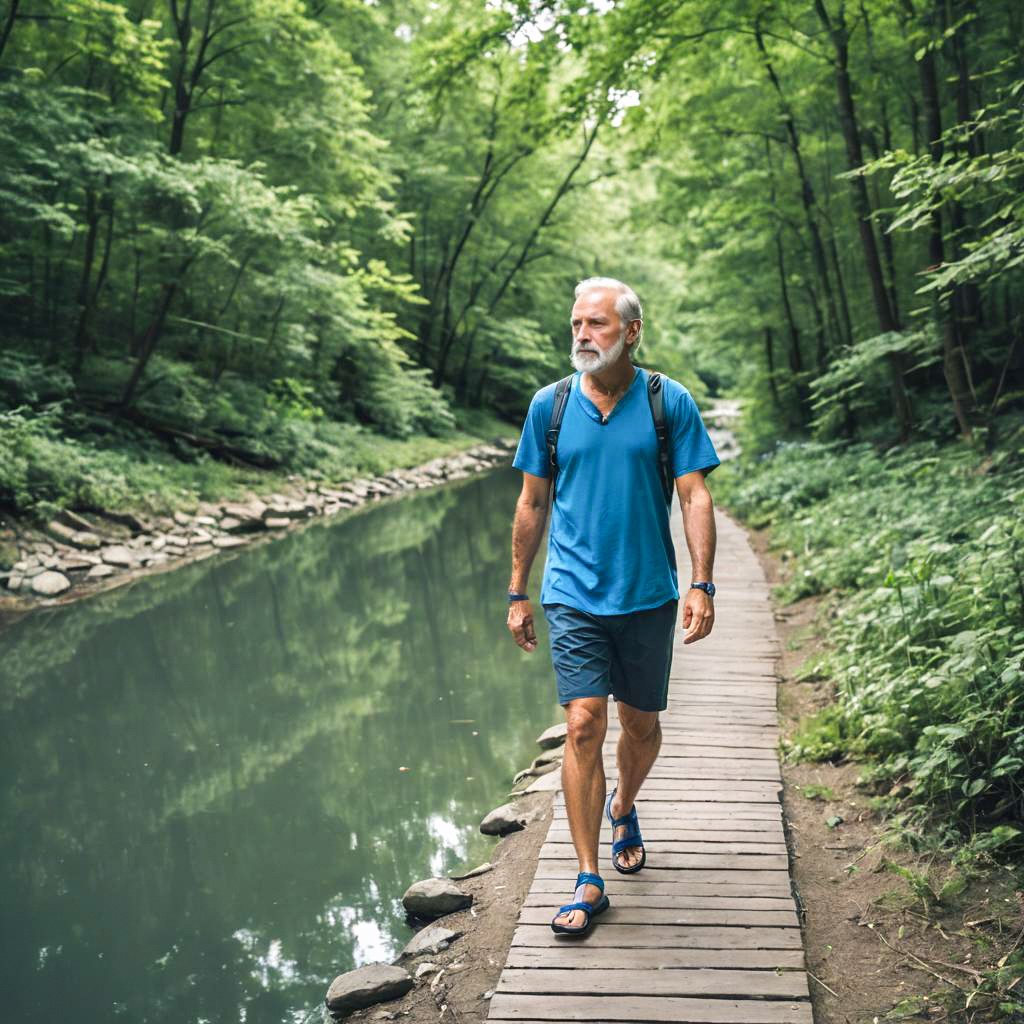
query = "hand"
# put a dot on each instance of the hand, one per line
(698, 615)
(520, 624)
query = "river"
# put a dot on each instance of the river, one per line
(218, 782)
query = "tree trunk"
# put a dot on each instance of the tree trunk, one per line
(887, 322)
(942, 305)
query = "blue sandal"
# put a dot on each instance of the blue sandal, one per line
(590, 909)
(631, 839)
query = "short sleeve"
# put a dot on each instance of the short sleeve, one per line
(691, 446)
(532, 454)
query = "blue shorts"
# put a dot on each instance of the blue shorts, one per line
(627, 657)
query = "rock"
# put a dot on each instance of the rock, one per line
(532, 771)
(545, 784)
(250, 510)
(230, 524)
(366, 986)
(205, 521)
(73, 562)
(503, 820)
(553, 737)
(182, 519)
(173, 550)
(552, 756)
(118, 554)
(426, 968)
(434, 897)
(229, 542)
(14, 581)
(482, 870)
(429, 941)
(276, 522)
(50, 583)
(99, 571)
(76, 538)
(200, 537)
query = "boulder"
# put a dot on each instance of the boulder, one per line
(426, 968)
(182, 518)
(553, 737)
(503, 820)
(429, 941)
(118, 554)
(554, 755)
(545, 784)
(435, 897)
(366, 986)
(14, 581)
(205, 521)
(229, 542)
(99, 571)
(534, 771)
(50, 583)
(276, 522)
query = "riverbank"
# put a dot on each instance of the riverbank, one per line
(75, 555)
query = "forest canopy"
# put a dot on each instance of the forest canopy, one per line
(259, 232)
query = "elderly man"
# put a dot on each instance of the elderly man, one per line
(610, 591)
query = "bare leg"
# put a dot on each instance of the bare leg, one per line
(637, 750)
(583, 783)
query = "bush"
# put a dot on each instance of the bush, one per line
(924, 548)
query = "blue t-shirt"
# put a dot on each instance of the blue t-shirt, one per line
(609, 548)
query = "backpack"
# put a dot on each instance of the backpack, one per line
(655, 399)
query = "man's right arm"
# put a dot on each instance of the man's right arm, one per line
(527, 532)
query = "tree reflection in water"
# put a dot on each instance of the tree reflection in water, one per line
(204, 812)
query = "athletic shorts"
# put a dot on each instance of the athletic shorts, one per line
(627, 657)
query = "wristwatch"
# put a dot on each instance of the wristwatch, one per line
(517, 597)
(708, 588)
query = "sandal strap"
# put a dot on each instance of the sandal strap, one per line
(587, 908)
(588, 878)
(627, 843)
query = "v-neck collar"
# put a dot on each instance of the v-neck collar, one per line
(592, 410)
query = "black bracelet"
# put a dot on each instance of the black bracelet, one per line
(517, 597)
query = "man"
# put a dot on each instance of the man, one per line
(610, 590)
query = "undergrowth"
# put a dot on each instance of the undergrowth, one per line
(922, 551)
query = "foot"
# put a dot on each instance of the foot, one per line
(577, 918)
(631, 855)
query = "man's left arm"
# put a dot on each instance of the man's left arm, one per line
(699, 528)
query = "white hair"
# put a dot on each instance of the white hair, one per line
(627, 305)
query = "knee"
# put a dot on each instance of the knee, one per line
(640, 726)
(587, 726)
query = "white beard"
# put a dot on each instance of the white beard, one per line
(589, 361)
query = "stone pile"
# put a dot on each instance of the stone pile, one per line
(72, 551)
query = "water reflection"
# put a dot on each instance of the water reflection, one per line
(205, 815)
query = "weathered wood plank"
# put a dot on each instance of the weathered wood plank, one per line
(596, 958)
(665, 935)
(538, 898)
(628, 981)
(685, 841)
(648, 1009)
(619, 914)
(670, 885)
(668, 859)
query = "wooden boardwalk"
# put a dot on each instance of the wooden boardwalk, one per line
(707, 933)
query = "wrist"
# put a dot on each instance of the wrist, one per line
(706, 586)
(515, 595)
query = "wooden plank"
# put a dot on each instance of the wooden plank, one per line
(568, 869)
(627, 936)
(667, 859)
(652, 883)
(682, 841)
(750, 828)
(625, 981)
(537, 898)
(625, 915)
(710, 810)
(595, 958)
(639, 1009)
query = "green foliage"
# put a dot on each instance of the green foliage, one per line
(925, 550)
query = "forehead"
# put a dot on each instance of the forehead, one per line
(596, 302)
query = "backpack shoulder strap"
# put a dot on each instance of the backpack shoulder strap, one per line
(555, 425)
(656, 400)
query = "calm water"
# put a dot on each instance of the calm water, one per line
(205, 812)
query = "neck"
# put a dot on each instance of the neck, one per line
(614, 379)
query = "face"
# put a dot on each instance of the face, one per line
(599, 337)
